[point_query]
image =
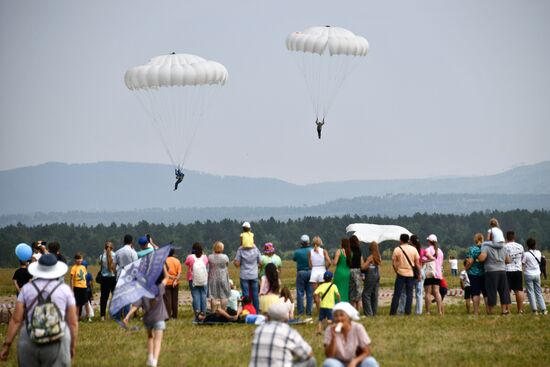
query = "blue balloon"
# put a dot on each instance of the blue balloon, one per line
(23, 252)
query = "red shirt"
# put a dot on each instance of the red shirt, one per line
(250, 308)
(443, 283)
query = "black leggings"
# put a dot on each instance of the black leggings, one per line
(107, 287)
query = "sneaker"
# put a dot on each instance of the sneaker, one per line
(151, 361)
(89, 319)
(544, 312)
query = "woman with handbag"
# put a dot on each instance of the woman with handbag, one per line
(433, 268)
(106, 276)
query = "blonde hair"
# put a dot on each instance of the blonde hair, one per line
(317, 241)
(493, 222)
(478, 238)
(218, 247)
(108, 251)
(375, 251)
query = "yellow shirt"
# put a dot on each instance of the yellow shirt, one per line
(78, 276)
(328, 301)
(247, 239)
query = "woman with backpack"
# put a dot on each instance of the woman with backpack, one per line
(47, 306)
(197, 275)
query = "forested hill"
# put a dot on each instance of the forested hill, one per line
(455, 232)
(117, 186)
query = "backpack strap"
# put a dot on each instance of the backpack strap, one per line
(534, 257)
(38, 296)
(324, 294)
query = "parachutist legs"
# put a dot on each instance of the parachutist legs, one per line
(179, 177)
(319, 126)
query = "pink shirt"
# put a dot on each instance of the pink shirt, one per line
(438, 261)
(189, 263)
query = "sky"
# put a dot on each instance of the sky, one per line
(449, 88)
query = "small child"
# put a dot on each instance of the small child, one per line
(443, 288)
(78, 282)
(21, 277)
(324, 295)
(286, 298)
(154, 317)
(233, 300)
(465, 285)
(247, 237)
(89, 291)
(248, 307)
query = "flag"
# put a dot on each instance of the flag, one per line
(138, 279)
(376, 232)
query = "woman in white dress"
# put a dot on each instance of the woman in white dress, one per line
(319, 262)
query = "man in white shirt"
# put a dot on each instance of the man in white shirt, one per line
(514, 269)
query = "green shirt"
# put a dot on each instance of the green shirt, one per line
(275, 259)
(300, 256)
(477, 267)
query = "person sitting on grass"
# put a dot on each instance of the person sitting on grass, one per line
(346, 342)
(154, 317)
(325, 295)
(286, 298)
(276, 344)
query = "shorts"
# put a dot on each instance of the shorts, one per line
(80, 296)
(159, 325)
(467, 292)
(515, 280)
(496, 282)
(231, 311)
(325, 313)
(432, 281)
(317, 274)
(477, 285)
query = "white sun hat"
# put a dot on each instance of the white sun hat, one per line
(47, 267)
(348, 309)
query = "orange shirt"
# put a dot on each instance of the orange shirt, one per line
(404, 269)
(174, 268)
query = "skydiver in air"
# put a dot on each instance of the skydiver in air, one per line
(179, 177)
(319, 126)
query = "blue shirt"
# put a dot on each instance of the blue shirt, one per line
(300, 256)
(249, 259)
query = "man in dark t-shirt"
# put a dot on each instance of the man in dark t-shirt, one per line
(21, 277)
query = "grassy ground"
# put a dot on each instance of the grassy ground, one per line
(457, 338)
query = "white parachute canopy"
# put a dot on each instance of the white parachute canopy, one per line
(176, 91)
(376, 232)
(326, 56)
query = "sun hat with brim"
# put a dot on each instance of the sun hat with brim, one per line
(348, 309)
(47, 267)
(269, 248)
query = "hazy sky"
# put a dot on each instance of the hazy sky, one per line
(448, 88)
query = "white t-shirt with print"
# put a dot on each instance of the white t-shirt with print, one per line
(464, 278)
(515, 251)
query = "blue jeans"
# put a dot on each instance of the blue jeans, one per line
(419, 297)
(303, 285)
(250, 289)
(408, 284)
(534, 292)
(367, 362)
(198, 294)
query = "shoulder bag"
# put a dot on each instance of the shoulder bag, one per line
(416, 271)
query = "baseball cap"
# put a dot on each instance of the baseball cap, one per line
(304, 238)
(327, 276)
(432, 238)
(246, 225)
(143, 240)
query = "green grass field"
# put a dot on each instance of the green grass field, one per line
(456, 338)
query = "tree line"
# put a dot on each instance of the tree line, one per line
(455, 232)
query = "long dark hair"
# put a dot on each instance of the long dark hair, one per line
(197, 249)
(272, 276)
(345, 244)
(415, 242)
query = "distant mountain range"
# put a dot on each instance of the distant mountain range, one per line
(132, 189)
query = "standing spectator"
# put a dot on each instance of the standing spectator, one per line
(404, 258)
(154, 317)
(514, 269)
(145, 246)
(78, 282)
(543, 265)
(303, 274)
(247, 237)
(342, 261)
(89, 293)
(39, 249)
(494, 257)
(531, 263)
(55, 248)
(418, 282)
(476, 272)
(124, 256)
(248, 260)
(372, 280)
(269, 256)
(219, 288)
(319, 261)
(107, 263)
(347, 342)
(325, 295)
(276, 344)
(270, 286)
(21, 277)
(465, 285)
(432, 283)
(171, 291)
(355, 280)
(45, 272)
(198, 279)
(453, 261)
